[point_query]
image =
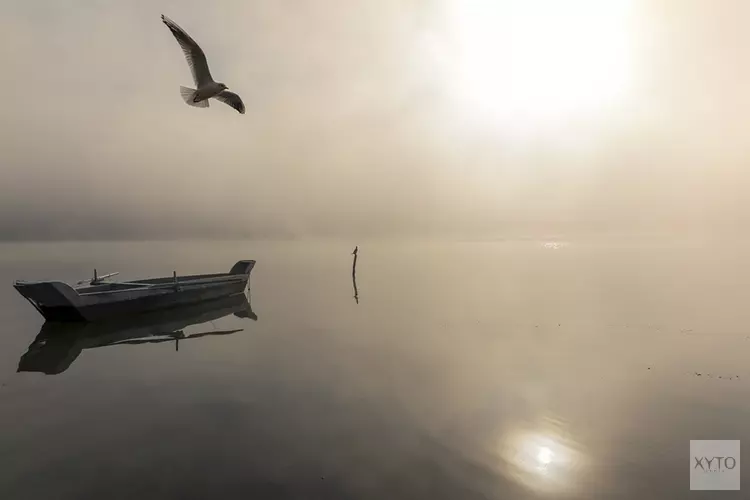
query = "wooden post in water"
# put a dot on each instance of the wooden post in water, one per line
(354, 274)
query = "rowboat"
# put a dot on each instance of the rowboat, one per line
(58, 345)
(99, 298)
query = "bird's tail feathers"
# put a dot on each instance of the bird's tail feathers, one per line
(188, 95)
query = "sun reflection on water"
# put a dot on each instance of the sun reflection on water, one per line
(554, 245)
(541, 461)
(545, 455)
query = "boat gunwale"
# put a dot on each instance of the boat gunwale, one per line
(184, 282)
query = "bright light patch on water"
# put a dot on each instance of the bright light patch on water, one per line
(542, 462)
(545, 455)
(554, 245)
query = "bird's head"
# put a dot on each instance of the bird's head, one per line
(222, 86)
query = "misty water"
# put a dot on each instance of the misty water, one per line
(528, 369)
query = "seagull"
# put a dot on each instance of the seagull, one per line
(207, 87)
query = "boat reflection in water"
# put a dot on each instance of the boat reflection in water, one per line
(59, 344)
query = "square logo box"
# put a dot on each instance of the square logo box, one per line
(714, 465)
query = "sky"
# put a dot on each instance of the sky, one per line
(375, 118)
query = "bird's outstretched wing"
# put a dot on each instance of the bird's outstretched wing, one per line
(231, 99)
(196, 59)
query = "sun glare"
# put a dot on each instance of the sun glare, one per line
(538, 60)
(542, 461)
(544, 456)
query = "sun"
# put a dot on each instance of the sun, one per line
(537, 60)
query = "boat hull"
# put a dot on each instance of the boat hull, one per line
(148, 303)
(58, 301)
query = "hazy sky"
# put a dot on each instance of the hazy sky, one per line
(375, 117)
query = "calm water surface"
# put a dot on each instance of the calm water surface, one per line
(489, 370)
